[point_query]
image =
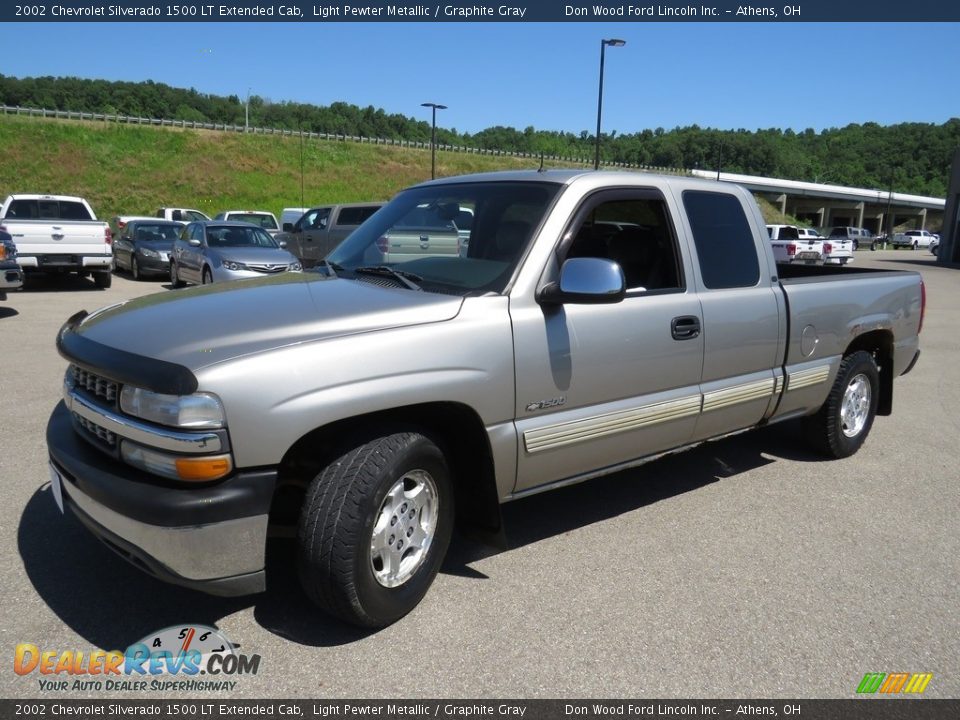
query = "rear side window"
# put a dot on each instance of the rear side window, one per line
(725, 246)
(355, 215)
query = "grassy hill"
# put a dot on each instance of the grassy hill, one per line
(131, 170)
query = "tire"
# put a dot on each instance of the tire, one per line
(347, 561)
(103, 279)
(135, 269)
(841, 426)
(856, 245)
(915, 244)
(873, 247)
(175, 280)
(207, 277)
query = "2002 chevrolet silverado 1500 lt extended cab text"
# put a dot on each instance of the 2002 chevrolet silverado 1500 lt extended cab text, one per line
(597, 320)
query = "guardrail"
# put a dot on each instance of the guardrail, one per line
(333, 137)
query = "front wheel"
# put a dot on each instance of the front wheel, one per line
(175, 280)
(207, 276)
(135, 269)
(374, 529)
(843, 422)
(856, 245)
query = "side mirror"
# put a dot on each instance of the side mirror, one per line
(591, 281)
(288, 227)
(283, 243)
(193, 242)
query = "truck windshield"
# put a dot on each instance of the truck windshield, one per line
(462, 239)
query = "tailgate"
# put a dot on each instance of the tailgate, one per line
(55, 238)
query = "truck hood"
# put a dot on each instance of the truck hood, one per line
(202, 326)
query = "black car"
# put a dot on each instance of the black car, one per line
(144, 247)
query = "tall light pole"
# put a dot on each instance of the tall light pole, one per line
(433, 137)
(603, 46)
(246, 113)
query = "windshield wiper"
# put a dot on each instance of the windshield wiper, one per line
(407, 278)
(332, 267)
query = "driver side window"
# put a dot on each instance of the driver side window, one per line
(636, 234)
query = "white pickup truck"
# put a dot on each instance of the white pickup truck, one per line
(790, 248)
(58, 233)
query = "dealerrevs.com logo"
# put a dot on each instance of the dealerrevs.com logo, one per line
(894, 683)
(177, 658)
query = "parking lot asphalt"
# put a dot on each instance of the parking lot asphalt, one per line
(744, 568)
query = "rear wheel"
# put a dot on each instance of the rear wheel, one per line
(374, 529)
(103, 279)
(856, 245)
(842, 424)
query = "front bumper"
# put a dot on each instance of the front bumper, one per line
(210, 538)
(154, 265)
(221, 274)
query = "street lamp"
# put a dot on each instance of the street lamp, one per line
(246, 113)
(433, 137)
(603, 46)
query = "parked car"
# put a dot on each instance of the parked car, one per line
(913, 239)
(321, 229)
(857, 236)
(214, 251)
(11, 276)
(365, 410)
(59, 234)
(183, 215)
(260, 218)
(935, 245)
(144, 247)
(789, 248)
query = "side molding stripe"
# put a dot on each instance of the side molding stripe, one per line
(567, 433)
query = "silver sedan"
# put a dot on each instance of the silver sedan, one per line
(214, 251)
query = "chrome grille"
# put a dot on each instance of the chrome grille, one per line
(94, 385)
(95, 431)
(268, 268)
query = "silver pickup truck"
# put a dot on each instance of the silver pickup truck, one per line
(597, 320)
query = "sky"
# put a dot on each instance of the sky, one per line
(545, 75)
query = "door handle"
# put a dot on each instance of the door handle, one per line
(685, 327)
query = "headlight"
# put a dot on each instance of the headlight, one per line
(147, 252)
(231, 265)
(201, 410)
